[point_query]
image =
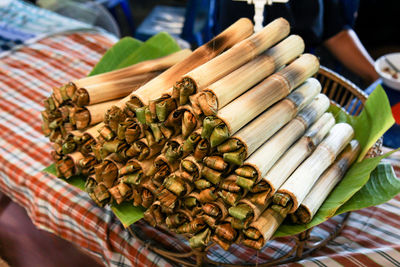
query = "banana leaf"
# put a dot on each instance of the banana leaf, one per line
(112, 59)
(77, 181)
(126, 52)
(353, 192)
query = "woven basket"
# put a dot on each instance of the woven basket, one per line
(343, 94)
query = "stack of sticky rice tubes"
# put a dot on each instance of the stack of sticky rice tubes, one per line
(87, 143)
(80, 104)
(218, 154)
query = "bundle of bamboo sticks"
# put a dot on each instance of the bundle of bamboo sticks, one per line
(220, 147)
(82, 103)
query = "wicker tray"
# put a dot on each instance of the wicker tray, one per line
(343, 94)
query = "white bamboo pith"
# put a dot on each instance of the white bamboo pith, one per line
(330, 178)
(239, 54)
(301, 181)
(97, 111)
(266, 155)
(104, 91)
(267, 223)
(255, 133)
(292, 158)
(158, 64)
(237, 82)
(250, 104)
(156, 87)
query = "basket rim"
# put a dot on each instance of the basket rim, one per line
(328, 72)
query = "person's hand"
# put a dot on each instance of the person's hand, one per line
(349, 50)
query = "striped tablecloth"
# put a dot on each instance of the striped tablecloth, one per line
(370, 238)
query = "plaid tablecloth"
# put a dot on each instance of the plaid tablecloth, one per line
(370, 238)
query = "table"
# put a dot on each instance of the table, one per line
(371, 236)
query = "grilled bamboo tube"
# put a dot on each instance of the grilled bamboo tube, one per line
(261, 230)
(69, 165)
(254, 134)
(297, 186)
(325, 184)
(261, 161)
(148, 66)
(223, 91)
(259, 201)
(292, 158)
(107, 172)
(98, 91)
(156, 87)
(90, 115)
(239, 54)
(259, 98)
(178, 186)
(214, 212)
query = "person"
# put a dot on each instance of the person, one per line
(326, 23)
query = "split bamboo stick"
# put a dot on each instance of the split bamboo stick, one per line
(259, 98)
(244, 51)
(325, 184)
(297, 186)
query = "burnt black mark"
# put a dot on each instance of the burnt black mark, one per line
(296, 97)
(308, 115)
(292, 73)
(217, 43)
(310, 145)
(343, 164)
